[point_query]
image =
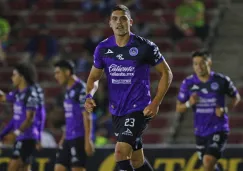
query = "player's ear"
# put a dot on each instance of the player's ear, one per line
(210, 63)
(131, 22)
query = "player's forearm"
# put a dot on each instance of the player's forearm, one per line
(181, 107)
(87, 119)
(92, 86)
(234, 102)
(7, 129)
(163, 86)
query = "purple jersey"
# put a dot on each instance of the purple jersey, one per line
(40, 115)
(211, 94)
(73, 106)
(22, 102)
(128, 72)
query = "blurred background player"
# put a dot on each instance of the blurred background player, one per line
(76, 144)
(205, 92)
(24, 100)
(4, 33)
(40, 115)
(126, 58)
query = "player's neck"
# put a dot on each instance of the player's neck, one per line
(122, 41)
(204, 78)
(23, 85)
(70, 82)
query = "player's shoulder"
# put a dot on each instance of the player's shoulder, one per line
(221, 76)
(105, 43)
(189, 80)
(80, 84)
(142, 41)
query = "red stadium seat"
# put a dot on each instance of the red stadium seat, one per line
(188, 45)
(147, 17)
(236, 122)
(168, 17)
(81, 32)
(5, 76)
(65, 18)
(172, 91)
(152, 4)
(235, 138)
(13, 60)
(179, 76)
(165, 45)
(180, 62)
(92, 17)
(59, 32)
(17, 47)
(167, 107)
(18, 5)
(45, 5)
(158, 122)
(108, 32)
(75, 47)
(38, 19)
(210, 4)
(239, 107)
(52, 92)
(47, 76)
(173, 4)
(28, 33)
(72, 5)
(160, 31)
(152, 138)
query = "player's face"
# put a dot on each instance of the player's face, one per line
(201, 66)
(16, 78)
(60, 76)
(120, 23)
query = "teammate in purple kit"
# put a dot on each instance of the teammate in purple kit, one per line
(25, 102)
(205, 92)
(76, 143)
(126, 59)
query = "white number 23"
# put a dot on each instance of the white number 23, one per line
(130, 122)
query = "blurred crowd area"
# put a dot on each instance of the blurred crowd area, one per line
(43, 31)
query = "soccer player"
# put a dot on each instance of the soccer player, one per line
(204, 92)
(24, 100)
(126, 59)
(40, 115)
(76, 143)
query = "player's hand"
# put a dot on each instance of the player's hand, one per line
(193, 99)
(89, 147)
(219, 112)
(151, 110)
(89, 105)
(2, 96)
(38, 146)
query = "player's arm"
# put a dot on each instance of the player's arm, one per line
(27, 122)
(2, 96)
(93, 80)
(234, 102)
(63, 136)
(6, 130)
(165, 81)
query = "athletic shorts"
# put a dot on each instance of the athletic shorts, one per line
(213, 144)
(129, 128)
(72, 153)
(24, 149)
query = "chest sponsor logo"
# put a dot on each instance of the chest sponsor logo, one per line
(119, 70)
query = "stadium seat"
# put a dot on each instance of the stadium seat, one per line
(5, 76)
(188, 45)
(165, 45)
(51, 92)
(151, 5)
(152, 138)
(239, 107)
(64, 18)
(28, 33)
(179, 76)
(72, 5)
(168, 17)
(160, 31)
(75, 47)
(172, 92)
(235, 138)
(80, 32)
(147, 17)
(181, 62)
(236, 121)
(46, 76)
(45, 5)
(59, 32)
(166, 107)
(17, 4)
(91, 17)
(158, 122)
(13, 60)
(37, 19)
(17, 47)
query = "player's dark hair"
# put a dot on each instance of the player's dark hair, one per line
(65, 64)
(122, 8)
(202, 53)
(28, 71)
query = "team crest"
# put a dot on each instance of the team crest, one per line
(214, 86)
(71, 94)
(133, 51)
